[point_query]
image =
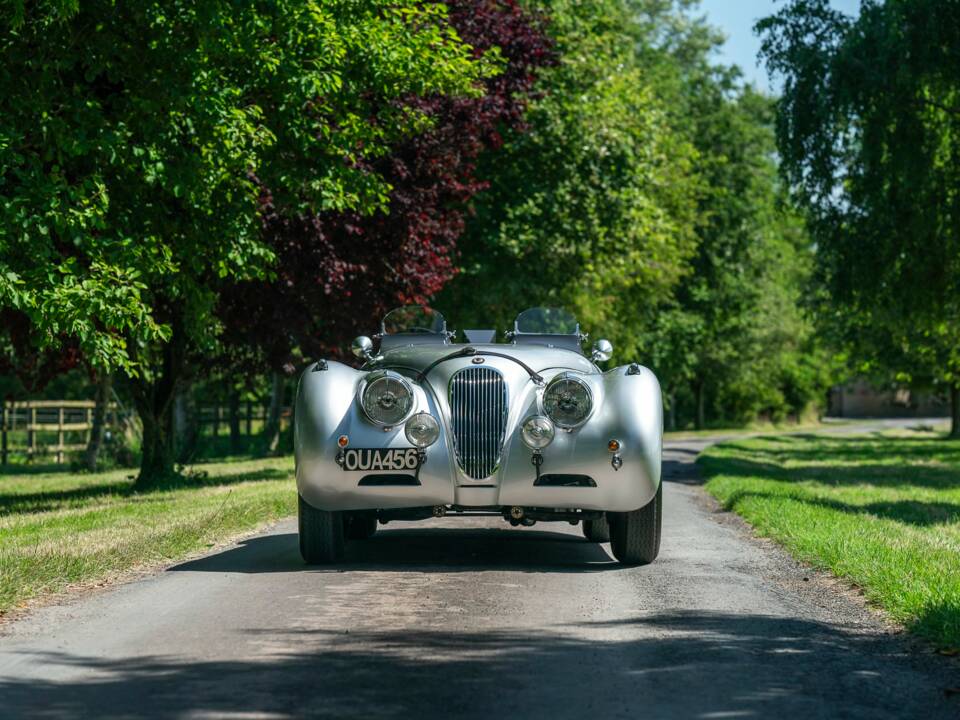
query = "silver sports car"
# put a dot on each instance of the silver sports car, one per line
(529, 429)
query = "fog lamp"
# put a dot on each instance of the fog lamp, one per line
(537, 432)
(422, 430)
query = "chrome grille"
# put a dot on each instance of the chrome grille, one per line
(478, 407)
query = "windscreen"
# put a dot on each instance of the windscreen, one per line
(415, 319)
(547, 321)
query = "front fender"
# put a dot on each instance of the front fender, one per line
(628, 408)
(326, 409)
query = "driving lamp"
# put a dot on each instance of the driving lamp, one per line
(422, 430)
(537, 432)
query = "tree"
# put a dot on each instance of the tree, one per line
(869, 135)
(733, 342)
(135, 141)
(645, 198)
(592, 207)
(98, 427)
(339, 271)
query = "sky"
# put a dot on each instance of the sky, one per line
(736, 18)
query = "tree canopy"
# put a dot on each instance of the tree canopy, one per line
(869, 135)
(592, 207)
(338, 271)
(189, 188)
(135, 140)
(645, 197)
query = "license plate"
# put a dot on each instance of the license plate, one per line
(366, 459)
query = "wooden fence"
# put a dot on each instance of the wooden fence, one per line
(37, 422)
(215, 420)
(32, 428)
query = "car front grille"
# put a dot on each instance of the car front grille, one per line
(478, 406)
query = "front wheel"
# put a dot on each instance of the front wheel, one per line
(635, 536)
(321, 534)
(597, 530)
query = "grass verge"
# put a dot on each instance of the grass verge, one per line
(59, 529)
(881, 510)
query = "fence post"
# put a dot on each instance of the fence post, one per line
(3, 434)
(59, 436)
(31, 433)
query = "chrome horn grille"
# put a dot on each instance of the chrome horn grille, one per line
(478, 407)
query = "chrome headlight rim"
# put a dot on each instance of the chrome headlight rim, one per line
(373, 377)
(561, 377)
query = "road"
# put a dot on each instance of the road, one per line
(451, 619)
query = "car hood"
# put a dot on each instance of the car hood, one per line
(539, 358)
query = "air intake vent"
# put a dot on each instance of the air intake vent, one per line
(478, 406)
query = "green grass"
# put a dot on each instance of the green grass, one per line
(881, 510)
(59, 529)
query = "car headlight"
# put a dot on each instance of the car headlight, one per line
(422, 430)
(386, 398)
(537, 432)
(567, 401)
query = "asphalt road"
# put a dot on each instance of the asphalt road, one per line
(474, 619)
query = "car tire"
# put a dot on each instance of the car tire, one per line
(597, 530)
(360, 526)
(321, 534)
(635, 536)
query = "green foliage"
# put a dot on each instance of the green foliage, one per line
(592, 208)
(133, 139)
(869, 134)
(734, 342)
(881, 511)
(646, 199)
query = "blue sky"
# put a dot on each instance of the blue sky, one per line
(736, 19)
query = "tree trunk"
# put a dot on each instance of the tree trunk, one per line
(955, 412)
(158, 454)
(271, 428)
(102, 399)
(233, 418)
(186, 428)
(699, 393)
(154, 402)
(672, 412)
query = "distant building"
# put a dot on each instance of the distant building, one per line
(859, 399)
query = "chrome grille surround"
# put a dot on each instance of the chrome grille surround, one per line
(478, 414)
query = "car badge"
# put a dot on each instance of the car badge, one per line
(478, 361)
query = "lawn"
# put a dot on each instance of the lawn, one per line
(880, 510)
(61, 529)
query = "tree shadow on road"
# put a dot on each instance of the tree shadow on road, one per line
(422, 549)
(673, 664)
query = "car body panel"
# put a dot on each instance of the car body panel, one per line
(627, 407)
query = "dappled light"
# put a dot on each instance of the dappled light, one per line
(438, 674)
